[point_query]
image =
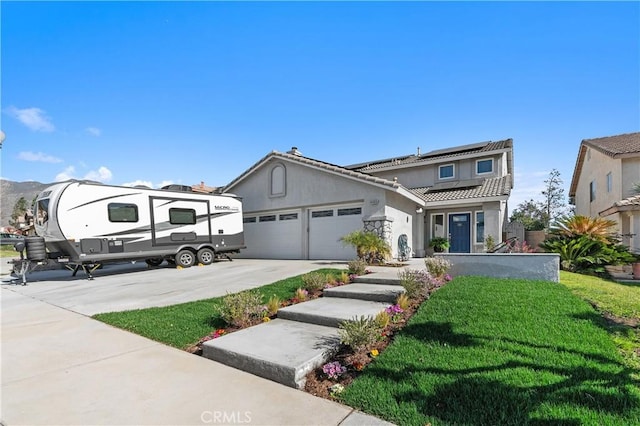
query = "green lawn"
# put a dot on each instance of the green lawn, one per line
(8, 251)
(485, 351)
(183, 325)
(621, 300)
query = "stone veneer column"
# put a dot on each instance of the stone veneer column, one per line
(382, 226)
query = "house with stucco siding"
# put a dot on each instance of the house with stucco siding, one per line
(606, 172)
(297, 207)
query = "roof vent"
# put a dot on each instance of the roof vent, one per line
(294, 151)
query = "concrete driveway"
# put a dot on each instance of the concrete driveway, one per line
(61, 367)
(121, 287)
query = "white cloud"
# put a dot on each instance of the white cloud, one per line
(34, 118)
(103, 175)
(94, 131)
(165, 183)
(38, 156)
(66, 174)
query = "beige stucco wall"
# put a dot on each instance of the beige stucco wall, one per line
(595, 167)
(427, 174)
(630, 175)
(403, 213)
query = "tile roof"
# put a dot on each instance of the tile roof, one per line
(614, 146)
(491, 187)
(628, 204)
(440, 154)
(325, 166)
(631, 201)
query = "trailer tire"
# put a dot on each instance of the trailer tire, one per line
(206, 256)
(36, 249)
(185, 258)
(154, 261)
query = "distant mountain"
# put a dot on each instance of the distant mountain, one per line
(10, 193)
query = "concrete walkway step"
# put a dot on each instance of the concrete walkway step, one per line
(373, 292)
(280, 350)
(331, 311)
(377, 279)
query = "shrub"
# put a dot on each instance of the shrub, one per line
(300, 295)
(383, 319)
(403, 301)
(241, 309)
(313, 281)
(586, 244)
(521, 248)
(437, 266)
(344, 277)
(416, 282)
(357, 267)
(359, 333)
(273, 305)
(370, 247)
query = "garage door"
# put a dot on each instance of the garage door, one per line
(273, 236)
(326, 226)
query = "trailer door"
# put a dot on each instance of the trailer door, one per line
(179, 221)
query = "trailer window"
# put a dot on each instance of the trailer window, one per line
(42, 211)
(182, 216)
(120, 212)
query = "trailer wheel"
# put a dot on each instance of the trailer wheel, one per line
(155, 261)
(185, 258)
(206, 256)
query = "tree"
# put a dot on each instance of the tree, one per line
(554, 204)
(531, 214)
(19, 209)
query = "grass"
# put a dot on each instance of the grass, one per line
(621, 300)
(7, 250)
(185, 324)
(488, 351)
(620, 305)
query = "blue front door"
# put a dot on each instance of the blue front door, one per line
(460, 233)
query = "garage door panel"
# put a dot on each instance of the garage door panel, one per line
(274, 236)
(327, 226)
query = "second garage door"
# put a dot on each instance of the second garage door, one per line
(327, 226)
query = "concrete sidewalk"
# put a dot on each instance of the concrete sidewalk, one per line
(62, 367)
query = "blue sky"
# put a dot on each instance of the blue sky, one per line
(157, 92)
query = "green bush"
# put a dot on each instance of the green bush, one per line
(370, 247)
(437, 266)
(583, 254)
(359, 333)
(241, 309)
(313, 281)
(357, 267)
(416, 282)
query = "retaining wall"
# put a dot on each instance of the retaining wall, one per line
(533, 266)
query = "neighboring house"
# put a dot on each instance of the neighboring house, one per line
(603, 183)
(298, 208)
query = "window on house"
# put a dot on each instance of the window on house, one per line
(278, 181)
(349, 212)
(120, 212)
(289, 216)
(322, 213)
(479, 227)
(592, 191)
(446, 171)
(182, 216)
(484, 166)
(609, 182)
(437, 225)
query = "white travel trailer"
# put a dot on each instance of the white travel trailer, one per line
(87, 224)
